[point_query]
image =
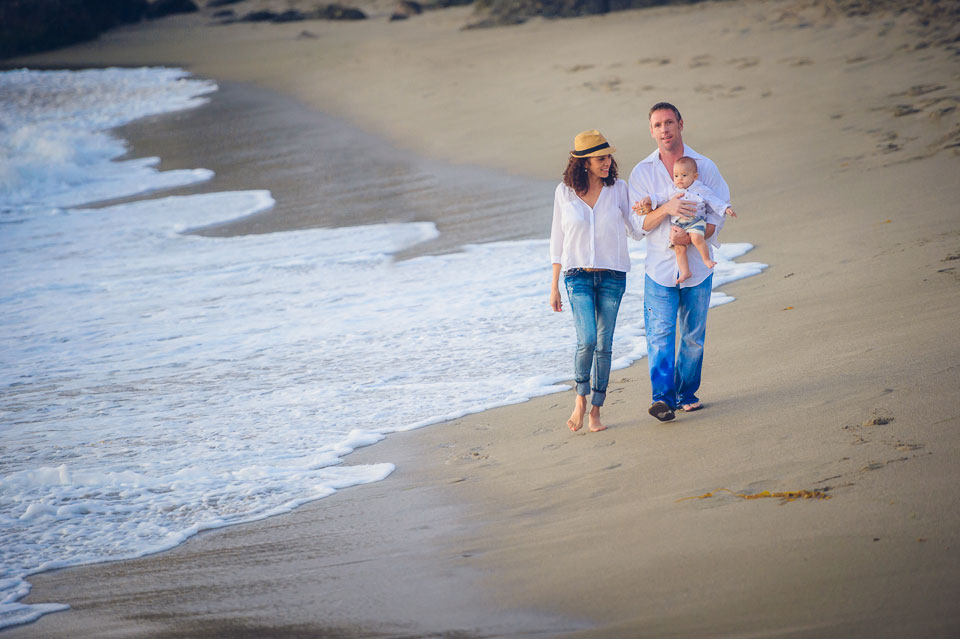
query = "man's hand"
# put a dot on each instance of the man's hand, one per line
(678, 237)
(677, 206)
(731, 212)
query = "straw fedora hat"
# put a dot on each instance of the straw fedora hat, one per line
(590, 144)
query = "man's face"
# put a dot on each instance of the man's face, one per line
(666, 129)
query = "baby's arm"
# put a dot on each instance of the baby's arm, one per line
(717, 205)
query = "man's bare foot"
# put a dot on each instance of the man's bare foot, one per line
(684, 275)
(709, 263)
(575, 422)
(594, 423)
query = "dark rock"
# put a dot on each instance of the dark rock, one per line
(220, 3)
(406, 9)
(493, 13)
(161, 8)
(30, 26)
(339, 12)
(224, 13)
(259, 16)
(409, 7)
(290, 16)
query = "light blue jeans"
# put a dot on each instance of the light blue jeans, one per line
(595, 300)
(675, 377)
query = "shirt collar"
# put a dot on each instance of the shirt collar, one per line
(655, 156)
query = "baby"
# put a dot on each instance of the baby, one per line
(685, 181)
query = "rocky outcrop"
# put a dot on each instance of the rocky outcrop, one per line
(405, 9)
(322, 12)
(491, 13)
(30, 26)
(339, 12)
(161, 8)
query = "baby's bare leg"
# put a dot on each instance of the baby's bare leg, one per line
(701, 243)
(682, 264)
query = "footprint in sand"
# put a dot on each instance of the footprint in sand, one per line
(657, 61)
(744, 63)
(797, 62)
(904, 109)
(579, 67)
(702, 60)
(606, 85)
(919, 89)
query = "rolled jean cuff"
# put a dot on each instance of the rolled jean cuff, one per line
(583, 388)
(598, 397)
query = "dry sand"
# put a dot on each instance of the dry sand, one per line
(835, 370)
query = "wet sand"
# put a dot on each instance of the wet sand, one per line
(833, 371)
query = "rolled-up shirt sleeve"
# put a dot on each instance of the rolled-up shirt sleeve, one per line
(556, 230)
(636, 191)
(632, 221)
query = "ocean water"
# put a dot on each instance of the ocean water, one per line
(156, 382)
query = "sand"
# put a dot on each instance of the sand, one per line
(835, 370)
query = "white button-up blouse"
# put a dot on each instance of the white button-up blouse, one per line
(584, 237)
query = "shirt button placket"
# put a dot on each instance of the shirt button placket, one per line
(593, 239)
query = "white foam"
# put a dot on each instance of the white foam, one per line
(154, 383)
(55, 148)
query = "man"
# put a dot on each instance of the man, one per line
(667, 305)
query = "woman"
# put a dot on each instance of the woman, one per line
(588, 242)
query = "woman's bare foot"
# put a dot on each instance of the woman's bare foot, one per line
(595, 425)
(575, 422)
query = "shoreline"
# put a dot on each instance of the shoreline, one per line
(818, 376)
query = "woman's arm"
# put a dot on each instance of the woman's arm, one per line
(555, 302)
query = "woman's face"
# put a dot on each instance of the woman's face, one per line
(599, 166)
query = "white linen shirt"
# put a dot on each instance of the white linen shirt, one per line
(651, 178)
(584, 237)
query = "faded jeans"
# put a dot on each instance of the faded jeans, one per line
(595, 300)
(675, 376)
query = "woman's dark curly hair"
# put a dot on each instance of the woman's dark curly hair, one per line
(575, 175)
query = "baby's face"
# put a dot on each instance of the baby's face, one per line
(683, 175)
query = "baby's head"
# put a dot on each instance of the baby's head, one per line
(684, 172)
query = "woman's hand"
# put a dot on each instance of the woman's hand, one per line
(555, 302)
(643, 207)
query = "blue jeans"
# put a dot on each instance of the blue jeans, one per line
(595, 300)
(675, 377)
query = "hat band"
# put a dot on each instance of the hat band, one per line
(605, 145)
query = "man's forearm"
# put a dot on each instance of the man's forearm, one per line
(654, 218)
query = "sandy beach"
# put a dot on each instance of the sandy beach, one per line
(834, 371)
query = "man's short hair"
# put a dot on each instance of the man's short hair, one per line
(665, 105)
